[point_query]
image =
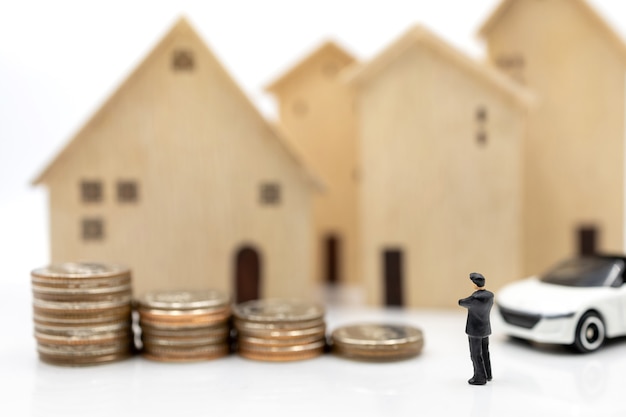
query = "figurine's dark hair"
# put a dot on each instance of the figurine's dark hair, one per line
(477, 279)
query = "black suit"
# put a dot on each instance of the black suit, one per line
(478, 329)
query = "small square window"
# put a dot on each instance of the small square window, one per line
(127, 192)
(481, 138)
(270, 193)
(481, 114)
(91, 191)
(93, 229)
(182, 60)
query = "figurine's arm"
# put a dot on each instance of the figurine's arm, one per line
(465, 302)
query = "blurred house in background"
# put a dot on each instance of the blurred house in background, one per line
(316, 109)
(180, 177)
(440, 196)
(573, 159)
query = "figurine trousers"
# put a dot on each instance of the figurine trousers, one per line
(479, 352)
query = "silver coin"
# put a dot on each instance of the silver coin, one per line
(77, 361)
(253, 326)
(83, 305)
(278, 310)
(80, 270)
(82, 350)
(81, 331)
(79, 322)
(184, 300)
(376, 335)
(81, 290)
(90, 338)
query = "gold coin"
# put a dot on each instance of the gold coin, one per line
(150, 342)
(220, 330)
(251, 342)
(281, 357)
(163, 357)
(283, 334)
(377, 341)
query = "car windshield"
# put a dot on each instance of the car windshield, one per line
(585, 272)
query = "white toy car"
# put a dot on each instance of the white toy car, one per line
(581, 302)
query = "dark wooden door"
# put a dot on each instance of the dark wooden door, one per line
(332, 252)
(587, 240)
(393, 277)
(247, 275)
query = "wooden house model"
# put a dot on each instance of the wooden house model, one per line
(434, 164)
(316, 110)
(180, 177)
(573, 158)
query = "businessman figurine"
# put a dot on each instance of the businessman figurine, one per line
(478, 328)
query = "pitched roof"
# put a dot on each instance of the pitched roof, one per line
(423, 37)
(327, 47)
(182, 26)
(584, 6)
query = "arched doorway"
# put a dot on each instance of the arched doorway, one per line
(332, 259)
(393, 271)
(247, 274)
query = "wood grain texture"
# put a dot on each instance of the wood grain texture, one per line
(316, 109)
(429, 189)
(573, 158)
(199, 152)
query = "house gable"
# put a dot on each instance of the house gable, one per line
(499, 17)
(211, 177)
(328, 59)
(182, 39)
(419, 37)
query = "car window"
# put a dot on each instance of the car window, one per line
(586, 272)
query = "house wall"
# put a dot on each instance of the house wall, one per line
(428, 187)
(317, 110)
(574, 156)
(199, 153)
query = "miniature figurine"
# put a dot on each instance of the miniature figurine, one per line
(478, 328)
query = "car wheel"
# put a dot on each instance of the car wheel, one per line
(590, 333)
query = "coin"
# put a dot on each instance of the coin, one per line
(183, 300)
(272, 333)
(280, 330)
(277, 311)
(377, 341)
(80, 270)
(82, 313)
(180, 326)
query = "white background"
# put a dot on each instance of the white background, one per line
(59, 60)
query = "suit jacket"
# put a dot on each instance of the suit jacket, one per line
(478, 308)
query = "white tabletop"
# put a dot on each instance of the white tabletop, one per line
(527, 380)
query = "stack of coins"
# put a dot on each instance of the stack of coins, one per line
(183, 326)
(377, 342)
(82, 313)
(280, 330)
